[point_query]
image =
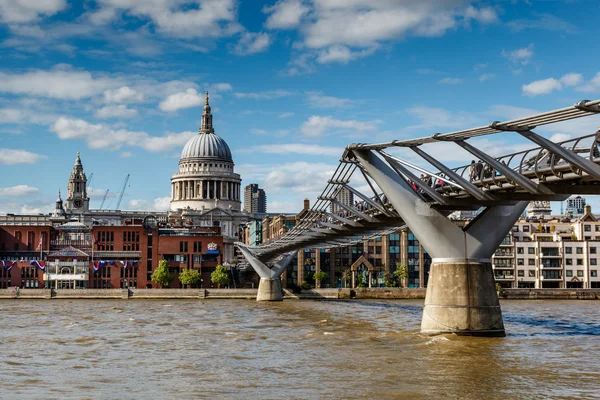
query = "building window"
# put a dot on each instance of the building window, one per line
(531, 261)
(592, 250)
(593, 261)
(520, 261)
(568, 250)
(520, 272)
(597, 228)
(580, 273)
(532, 273)
(569, 261)
(569, 273)
(531, 250)
(580, 250)
(520, 250)
(587, 228)
(183, 247)
(580, 261)
(525, 228)
(594, 273)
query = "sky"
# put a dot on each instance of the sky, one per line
(291, 83)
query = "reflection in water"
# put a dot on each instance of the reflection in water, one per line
(296, 349)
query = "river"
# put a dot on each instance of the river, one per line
(241, 349)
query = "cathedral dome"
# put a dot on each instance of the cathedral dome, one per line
(207, 146)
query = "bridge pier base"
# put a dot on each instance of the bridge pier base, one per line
(269, 290)
(461, 298)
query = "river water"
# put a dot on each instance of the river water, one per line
(236, 349)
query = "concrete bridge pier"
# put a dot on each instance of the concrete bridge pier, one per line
(461, 295)
(269, 287)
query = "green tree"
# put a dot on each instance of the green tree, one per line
(319, 276)
(347, 277)
(401, 273)
(388, 280)
(219, 276)
(190, 277)
(161, 276)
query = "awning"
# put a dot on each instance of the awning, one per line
(212, 252)
(117, 255)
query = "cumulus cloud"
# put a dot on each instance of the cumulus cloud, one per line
(189, 19)
(451, 81)
(318, 126)
(252, 43)
(158, 204)
(591, 86)
(18, 191)
(124, 94)
(286, 114)
(485, 77)
(549, 85)
(298, 177)
(100, 136)
(62, 82)
(25, 115)
(520, 56)
(116, 111)
(189, 98)
(431, 117)
(23, 11)
(17, 156)
(342, 54)
(285, 14)
(266, 95)
(319, 100)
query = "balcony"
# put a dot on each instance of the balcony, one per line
(550, 253)
(504, 254)
(504, 277)
(498, 264)
(556, 263)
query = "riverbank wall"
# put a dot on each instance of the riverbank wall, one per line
(250, 294)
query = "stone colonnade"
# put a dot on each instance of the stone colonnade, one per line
(205, 189)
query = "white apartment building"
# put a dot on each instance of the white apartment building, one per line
(550, 254)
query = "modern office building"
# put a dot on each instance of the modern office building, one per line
(255, 199)
(575, 205)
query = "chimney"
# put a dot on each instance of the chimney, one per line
(306, 204)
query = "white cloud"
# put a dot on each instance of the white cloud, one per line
(549, 85)
(62, 82)
(255, 131)
(485, 77)
(362, 23)
(451, 81)
(124, 94)
(592, 86)
(267, 95)
(219, 87)
(99, 136)
(560, 137)
(252, 43)
(286, 115)
(299, 177)
(342, 54)
(183, 19)
(285, 14)
(15, 156)
(297, 148)
(18, 191)
(430, 117)
(189, 98)
(126, 154)
(116, 111)
(520, 56)
(319, 100)
(22, 11)
(158, 204)
(25, 115)
(318, 126)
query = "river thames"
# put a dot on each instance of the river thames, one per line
(236, 349)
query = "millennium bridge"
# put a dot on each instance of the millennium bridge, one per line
(461, 296)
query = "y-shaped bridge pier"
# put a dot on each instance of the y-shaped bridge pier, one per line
(461, 295)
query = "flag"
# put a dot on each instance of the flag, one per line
(7, 264)
(39, 246)
(96, 266)
(40, 264)
(96, 241)
(125, 263)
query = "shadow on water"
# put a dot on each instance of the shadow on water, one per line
(555, 327)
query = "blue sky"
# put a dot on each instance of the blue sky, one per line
(291, 82)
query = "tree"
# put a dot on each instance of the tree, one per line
(319, 276)
(219, 276)
(401, 273)
(347, 277)
(190, 277)
(388, 280)
(161, 276)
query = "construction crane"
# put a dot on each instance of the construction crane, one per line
(104, 199)
(89, 181)
(122, 191)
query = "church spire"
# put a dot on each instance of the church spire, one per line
(206, 125)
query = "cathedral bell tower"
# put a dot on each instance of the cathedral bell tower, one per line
(77, 201)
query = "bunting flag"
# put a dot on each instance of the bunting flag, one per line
(112, 262)
(8, 264)
(41, 265)
(96, 241)
(125, 263)
(102, 264)
(96, 266)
